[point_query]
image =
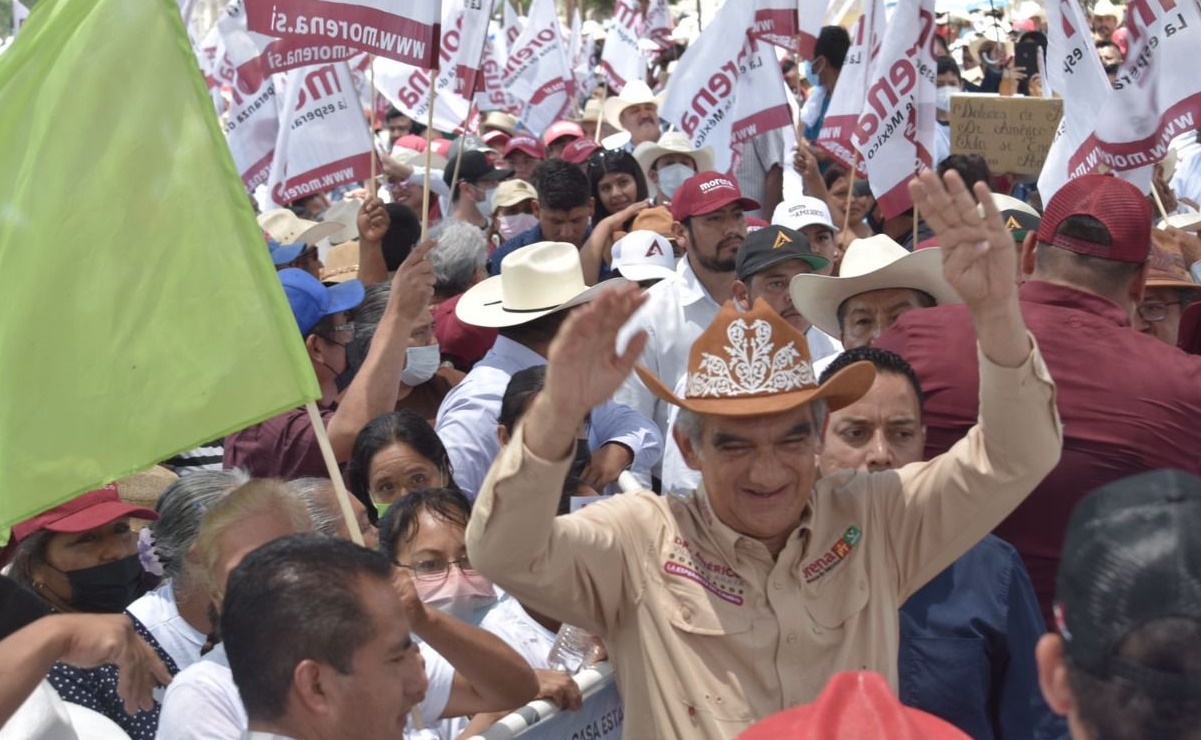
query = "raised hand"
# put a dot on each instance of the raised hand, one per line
(413, 283)
(373, 220)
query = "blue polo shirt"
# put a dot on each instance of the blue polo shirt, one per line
(524, 239)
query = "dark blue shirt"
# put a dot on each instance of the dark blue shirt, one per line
(524, 239)
(967, 648)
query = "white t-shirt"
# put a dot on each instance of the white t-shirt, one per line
(159, 613)
(45, 716)
(512, 623)
(203, 703)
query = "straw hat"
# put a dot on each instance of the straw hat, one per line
(287, 228)
(591, 112)
(636, 92)
(1172, 252)
(502, 121)
(341, 263)
(534, 281)
(875, 263)
(346, 213)
(747, 364)
(144, 488)
(674, 142)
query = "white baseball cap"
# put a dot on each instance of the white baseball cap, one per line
(801, 212)
(643, 255)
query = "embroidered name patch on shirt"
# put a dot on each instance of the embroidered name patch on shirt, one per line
(720, 580)
(835, 555)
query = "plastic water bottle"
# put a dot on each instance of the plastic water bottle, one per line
(574, 650)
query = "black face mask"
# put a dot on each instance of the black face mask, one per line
(108, 588)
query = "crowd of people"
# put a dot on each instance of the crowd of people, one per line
(788, 464)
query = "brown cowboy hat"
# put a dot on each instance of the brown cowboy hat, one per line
(752, 363)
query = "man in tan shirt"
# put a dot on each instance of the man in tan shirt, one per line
(742, 599)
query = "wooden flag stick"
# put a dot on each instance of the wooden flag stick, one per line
(600, 119)
(916, 218)
(335, 475)
(1159, 201)
(454, 178)
(372, 188)
(846, 216)
(429, 152)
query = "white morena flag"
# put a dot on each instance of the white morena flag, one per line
(724, 93)
(658, 24)
(493, 95)
(511, 26)
(266, 55)
(776, 22)
(251, 131)
(846, 104)
(323, 138)
(580, 52)
(20, 13)
(895, 131)
(407, 86)
(811, 14)
(1157, 93)
(621, 60)
(537, 74)
(474, 16)
(1073, 70)
(404, 31)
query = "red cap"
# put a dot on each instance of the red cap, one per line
(441, 147)
(527, 144)
(578, 151)
(495, 139)
(1117, 204)
(754, 224)
(410, 141)
(559, 129)
(705, 192)
(464, 343)
(854, 705)
(92, 509)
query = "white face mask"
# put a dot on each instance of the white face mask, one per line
(511, 226)
(942, 99)
(421, 363)
(485, 205)
(672, 177)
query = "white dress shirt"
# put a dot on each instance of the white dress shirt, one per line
(512, 623)
(468, 417)
(680, 479)
(159, 614)
(677, 311)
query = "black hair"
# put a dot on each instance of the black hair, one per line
(403, 232)
(832, 174)
(610, 161)
(787, 66)
(561, 185)
(298, 598)
(400, 524)
(1037, 37)
(383, 431)
(538, 331)
(884, 362)
(523, 386)
(833, 42)
(394, 113)
(947, 65)
(925, 299)
(971, 167)
(1116, 708)
(1112, 69)
(1106, 43)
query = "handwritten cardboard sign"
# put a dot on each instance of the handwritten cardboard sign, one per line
(1012, 133)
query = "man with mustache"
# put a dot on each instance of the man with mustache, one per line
(636, 110)
(709, 223)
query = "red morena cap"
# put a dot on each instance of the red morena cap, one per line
(1120, 207)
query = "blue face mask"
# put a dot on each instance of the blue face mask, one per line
(811, 74)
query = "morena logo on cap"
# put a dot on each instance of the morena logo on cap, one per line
(654, 250)
(715, 183)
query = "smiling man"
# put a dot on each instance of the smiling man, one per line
(743, 598)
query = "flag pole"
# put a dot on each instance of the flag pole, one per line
(454, 178)
(846, 216)
(429, 151)
(916, 218)
(1159, 201)
(372, 189)
(335, 475)
(600, 119)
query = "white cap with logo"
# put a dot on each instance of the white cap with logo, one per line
(643, 255)
(802, 212)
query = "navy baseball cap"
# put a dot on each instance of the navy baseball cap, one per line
(312, 301)
(282, 254)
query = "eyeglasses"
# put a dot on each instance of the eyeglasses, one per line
(607, 158)
(437, 570)
(347, 328)
(1155, 310)
(309, 254)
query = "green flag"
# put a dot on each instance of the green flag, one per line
(140, 314)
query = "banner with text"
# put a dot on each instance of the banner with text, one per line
(1157, 93)
(493, 95)
(1013, 133)
(842, 115)
(721, 94)
(406, 32)
(1074, 71)
(511, 27)
(472, 25)
(323, 138)
(537, 74)
(776, 22)
(621, 59)
(658, 26)
(895, 131)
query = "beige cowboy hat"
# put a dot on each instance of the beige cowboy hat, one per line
(875, 263)
(534, 281)
(341, 263)
(636, 92)
(673, 142)
(747, 364)
(286, 227)
(1104, 8)
(502, 121)
(346, 213)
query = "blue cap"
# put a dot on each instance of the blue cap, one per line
(312, 301)
(282, 254)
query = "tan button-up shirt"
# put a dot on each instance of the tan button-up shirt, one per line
(707, 633)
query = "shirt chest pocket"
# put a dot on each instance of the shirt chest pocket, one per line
(838, 594)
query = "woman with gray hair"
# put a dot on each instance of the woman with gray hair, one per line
(175, 618)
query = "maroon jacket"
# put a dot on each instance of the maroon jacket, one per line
(1129, 403)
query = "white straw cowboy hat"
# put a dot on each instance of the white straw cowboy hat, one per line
(673, 142)
(345, 213)
(636, 92)
(752, 363)
(534, 281)
(875, 263)
(286, 227)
